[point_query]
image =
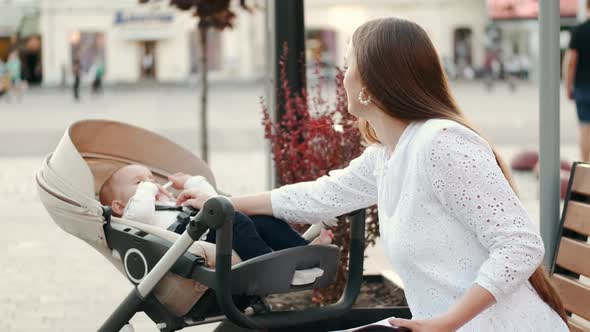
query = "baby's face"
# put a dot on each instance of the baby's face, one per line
(126, 179)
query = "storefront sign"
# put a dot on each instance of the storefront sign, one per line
(123, 18)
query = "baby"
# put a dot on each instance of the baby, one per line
(133, 194)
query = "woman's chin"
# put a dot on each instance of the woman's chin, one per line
(352, 111)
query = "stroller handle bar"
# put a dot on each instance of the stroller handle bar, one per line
(277, 319)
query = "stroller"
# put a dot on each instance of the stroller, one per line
(179, 281)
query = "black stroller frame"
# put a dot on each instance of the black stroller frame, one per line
(235, 292)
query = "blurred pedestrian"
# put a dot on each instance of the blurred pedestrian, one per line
(76, 72)
(491, 68)
(64, 76)
(14, 67)
(512, 69)
(3, 79)
(449, 67)
(147, 64)
(576, 74)
(525, 66)
(98, 75)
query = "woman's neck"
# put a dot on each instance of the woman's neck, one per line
(388, 129)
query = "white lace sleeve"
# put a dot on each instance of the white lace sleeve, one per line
(469, 183)
(324, 199)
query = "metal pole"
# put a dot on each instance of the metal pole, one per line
(289, 28)
(549, 20)
(284, 24)
(271, 59)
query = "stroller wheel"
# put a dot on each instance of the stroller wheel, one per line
(127, 328)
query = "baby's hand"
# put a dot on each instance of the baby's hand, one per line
(193, 197)
(178, 180)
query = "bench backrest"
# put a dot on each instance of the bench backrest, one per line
(571, 268)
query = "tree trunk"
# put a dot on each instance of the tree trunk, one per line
(204, 92)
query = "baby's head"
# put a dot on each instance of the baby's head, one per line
(122, 185)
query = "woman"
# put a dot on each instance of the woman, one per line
(451, 224)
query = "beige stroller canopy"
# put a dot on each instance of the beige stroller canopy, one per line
(87, 155)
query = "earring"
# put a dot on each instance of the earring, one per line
(364, 97)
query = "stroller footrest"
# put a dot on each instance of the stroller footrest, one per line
(305, 277)
(283, 271)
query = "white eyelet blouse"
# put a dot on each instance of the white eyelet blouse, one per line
(448, 219)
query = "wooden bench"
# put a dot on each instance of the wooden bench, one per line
(571, 264)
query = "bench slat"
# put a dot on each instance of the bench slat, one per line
(577, 218)
(582, 179)
(575, 295)
(570, 256)
(576, 327)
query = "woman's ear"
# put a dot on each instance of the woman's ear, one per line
(118, 207)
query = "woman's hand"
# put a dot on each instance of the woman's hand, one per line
(192, 197)
(178, 180)
(438, 324)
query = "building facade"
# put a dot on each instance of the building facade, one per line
(156, 42)
(456, 27)
(517, 26)
(137, 42)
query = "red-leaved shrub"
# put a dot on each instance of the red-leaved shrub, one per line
(313, 137)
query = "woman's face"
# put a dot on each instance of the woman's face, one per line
(352, 83)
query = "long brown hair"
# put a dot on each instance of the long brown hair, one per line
(399, 68)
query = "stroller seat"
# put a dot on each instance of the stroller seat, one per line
(88, 154)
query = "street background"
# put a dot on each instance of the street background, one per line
(143, 62)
